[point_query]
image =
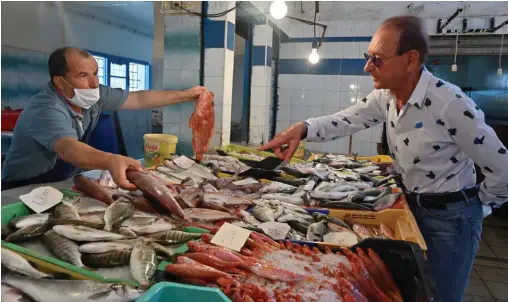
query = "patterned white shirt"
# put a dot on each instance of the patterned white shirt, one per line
(434, 140)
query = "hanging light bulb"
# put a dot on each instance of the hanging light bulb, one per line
(314, 56)
(278, 9)
(454, 66)
(500, 70)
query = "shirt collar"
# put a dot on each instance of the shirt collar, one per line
(73, 113)
(420, 91)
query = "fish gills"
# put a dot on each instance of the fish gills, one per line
(63, 248)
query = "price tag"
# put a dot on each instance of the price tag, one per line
(276, 230)
(247, 181)
(341, 238)
(231, 236)
(42, 198)
(184, 162)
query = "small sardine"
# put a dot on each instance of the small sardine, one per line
(207, 214)
(25, 221)
(117, 212)
(107, 259)
(103, 247)
(295, 200)
(143, 262)
(83, 233)
(170, 237)
(320, 216)
(386, 201)
(249, 218)
(292, 217)
(263, 213)
(16, 263)
(62, 248)
(27, 233)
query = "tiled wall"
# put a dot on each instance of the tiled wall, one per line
(24, 73)
(336, 82)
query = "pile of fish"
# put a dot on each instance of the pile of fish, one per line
(89, 233)
(265, 270)
(22, 282)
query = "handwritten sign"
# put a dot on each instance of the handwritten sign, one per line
(42, 198)
(247, 181)
(341, 238)
(276, 230)
(231, 236)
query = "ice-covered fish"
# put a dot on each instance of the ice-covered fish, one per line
(29, 220)
(207, 215)
(371, 197)
(18, 264)
(348, 205)
(82, 233)
(295, 200)
(249, 218)
(103, 247)
(158, 226)
(117, 212)
(328, 195)
(263, 213)
(277, 187)
(225, 200)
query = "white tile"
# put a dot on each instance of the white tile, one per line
(361, 28)
(285, 96)
(258, 76)
(284, 113)
(302, 50)
(286, 51)
(225, 138)
(301, 82)
(347, 99)
(349, 83)
(431, 25)
(171, 115)
(377, 131)
(298, 113)
(374, 25)
(365, 84)
(281, 126)
(268, 76)
(218, 117)
(344, 28)
(171, 129)
(362, 136)
(173, 61)
(331, 99)
(214, 62)
(373, 149)
(286, 80)
(316, 82)
(315, 98)
(314, 112)
(363, 149)
(216, 84)
(343, 145)
(256, 116)
(257, 96)
(332, 82)
(332, 50)
(255, 135)
(299, 98)
(350, 50)
(262, 34)
(363, 47)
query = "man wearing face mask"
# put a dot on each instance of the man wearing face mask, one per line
(51, 134)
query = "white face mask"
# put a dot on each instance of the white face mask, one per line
(84, 98)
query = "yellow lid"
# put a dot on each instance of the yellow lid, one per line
(171, 139)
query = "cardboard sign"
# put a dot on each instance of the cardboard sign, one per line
(247, 181)
(275, 230)
(42, 198)
(341, 238)
(231, 236)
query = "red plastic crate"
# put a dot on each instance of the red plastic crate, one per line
(9, 119)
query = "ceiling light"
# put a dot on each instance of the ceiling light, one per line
(314, 56)
(278, 9)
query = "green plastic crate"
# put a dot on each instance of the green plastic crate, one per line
(177, 292)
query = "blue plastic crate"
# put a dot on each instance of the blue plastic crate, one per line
(177, 292)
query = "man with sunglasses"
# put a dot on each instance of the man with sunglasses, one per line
(435, 134)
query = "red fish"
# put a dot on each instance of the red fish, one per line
(202, 123)
(156, 191)
(195, 271)
(91, 188)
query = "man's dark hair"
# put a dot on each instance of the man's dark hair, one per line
(57, 64)
(412, 35)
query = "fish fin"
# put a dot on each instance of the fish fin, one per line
(99, 295)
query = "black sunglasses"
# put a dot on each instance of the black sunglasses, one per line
(378, 62)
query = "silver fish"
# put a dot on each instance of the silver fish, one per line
(386, 202)
(107, 259)
(277, 210)
(143, 262)
(103, 247)
(25, 221)
(47, 290)
(348, 205)
(27, 233)
(339, 187)
(166, 177)
(12, 294)
(356, 196)
(63, 248)
(372, 199)
(207, 214)
(162, 249)
(117, 212)
(277, 187)
(158, 226)
(292, 217)
(134, 221)
(316, 231)
(82, 233)
(170, 237)
(289, 206)
(126, 232)
(367, 169)
(65, 211)
(249, 218)
(329, 195)
(87, 205)
(16, 263)
(284, 197)
(225, 200)
(263, 213)
(180, 175)
(295, 235)
(106, 180)
(93, 218)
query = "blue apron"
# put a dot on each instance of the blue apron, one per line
(61, 171)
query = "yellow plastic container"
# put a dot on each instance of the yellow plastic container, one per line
(158, 147)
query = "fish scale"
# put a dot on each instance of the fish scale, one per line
(170, 237)
(143, 262)
(107, 259)
(117, 212)
(63, 248)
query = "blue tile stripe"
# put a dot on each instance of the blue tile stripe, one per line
(323, 67)
(215, 33)
(258, 56)
(230, 41)
(329, 39)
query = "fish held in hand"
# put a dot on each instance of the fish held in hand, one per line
(202, 123)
